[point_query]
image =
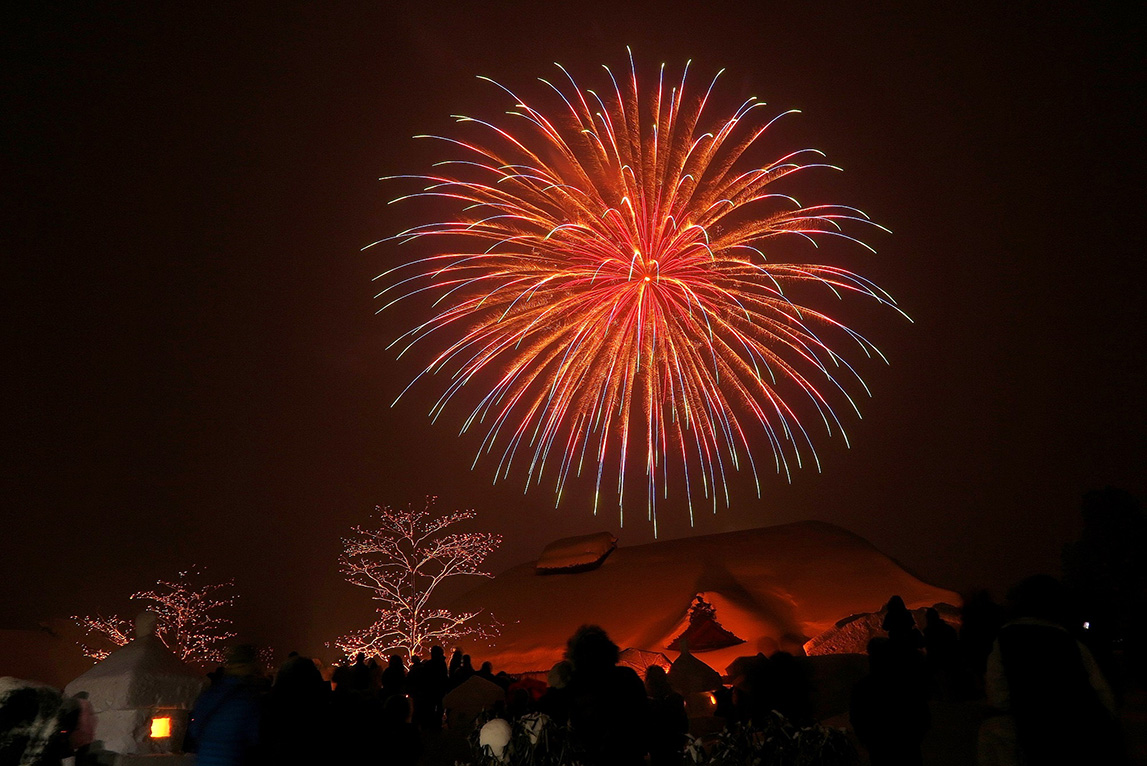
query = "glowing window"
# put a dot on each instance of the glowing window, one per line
(160, 727)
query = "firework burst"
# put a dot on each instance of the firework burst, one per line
(605, 285)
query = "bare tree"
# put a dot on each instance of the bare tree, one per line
(402, 561)
(189, 623)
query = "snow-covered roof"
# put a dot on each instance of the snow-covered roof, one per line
(141, 674)
(775, 587)
(576, 554)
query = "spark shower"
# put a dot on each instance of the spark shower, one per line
(612, 289)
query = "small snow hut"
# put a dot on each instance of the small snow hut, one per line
(142, 695)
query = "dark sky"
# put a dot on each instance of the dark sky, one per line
(194, 373)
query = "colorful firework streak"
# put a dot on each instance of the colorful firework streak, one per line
(606, 282)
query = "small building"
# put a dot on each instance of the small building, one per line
(142, 695)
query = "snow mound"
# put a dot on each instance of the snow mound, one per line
(774, 587)
(852, 634)
(576, 554)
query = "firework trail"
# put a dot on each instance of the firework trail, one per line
(605, 285)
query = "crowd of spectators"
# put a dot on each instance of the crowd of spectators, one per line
(1046, 696)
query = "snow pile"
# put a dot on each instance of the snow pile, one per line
(576, 554)
(851, 634)
(774, 587)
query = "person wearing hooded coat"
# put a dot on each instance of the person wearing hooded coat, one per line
(1055, 704)
(225, 721)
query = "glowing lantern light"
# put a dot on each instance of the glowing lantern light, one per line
(161, 727)
(701, 704)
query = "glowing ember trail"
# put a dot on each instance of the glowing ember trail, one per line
(606, 282)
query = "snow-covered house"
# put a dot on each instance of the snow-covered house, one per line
(141, 695)
(725, 595)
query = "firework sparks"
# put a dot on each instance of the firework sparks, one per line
(605, 284)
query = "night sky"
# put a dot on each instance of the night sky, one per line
(194, 372)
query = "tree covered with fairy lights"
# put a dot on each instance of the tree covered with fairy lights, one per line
(189, 619)
(402, 557)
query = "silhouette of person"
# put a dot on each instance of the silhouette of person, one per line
(518, 702)
(399, 740)
(340, 676)
(225, 720)
(668, 721)
(359, 676)
(751, 693)
(980, 620)
(394, 677)
(426, 683)
(901, 625)
(296, 714)
(555, 701)
(374, 676)
(940, 646)
(608, 707)
(465, 670)
(1056, 705)
(889, 707)
(792, 687)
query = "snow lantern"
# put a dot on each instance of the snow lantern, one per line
(466, 701)
(142, 695)
(495, 734)
(695, 681)
(689, 675)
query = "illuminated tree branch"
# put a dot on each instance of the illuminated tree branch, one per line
(114, 629)
(189, 623)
